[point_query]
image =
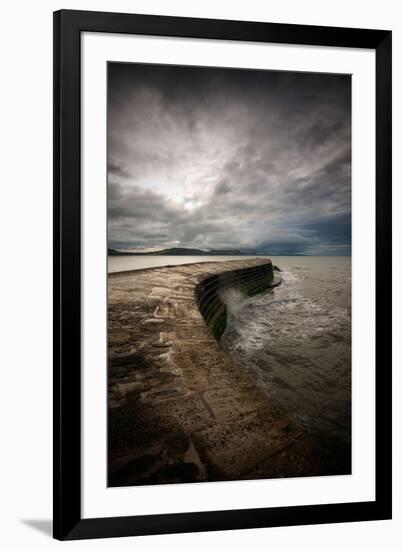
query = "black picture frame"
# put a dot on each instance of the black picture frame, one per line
(68, 26)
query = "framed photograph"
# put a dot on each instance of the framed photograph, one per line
(222, 274)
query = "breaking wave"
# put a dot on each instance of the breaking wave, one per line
(296, 342)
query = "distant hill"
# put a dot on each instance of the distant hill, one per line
(178, 252)
(113, 252)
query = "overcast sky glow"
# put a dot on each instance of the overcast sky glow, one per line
(229, 158)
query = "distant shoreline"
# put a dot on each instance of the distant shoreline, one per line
(179, 251)
(196, 252)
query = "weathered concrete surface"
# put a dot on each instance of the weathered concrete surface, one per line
(179, 409)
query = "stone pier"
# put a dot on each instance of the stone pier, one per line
(179, 409)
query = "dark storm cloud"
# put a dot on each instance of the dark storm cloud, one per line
(116, 170)
(210, 158)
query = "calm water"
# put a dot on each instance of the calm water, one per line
(296, 341)
(127, 263)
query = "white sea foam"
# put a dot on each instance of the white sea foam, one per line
(296, 341)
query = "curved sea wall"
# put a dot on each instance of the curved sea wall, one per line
(249, 280)
(179, 409)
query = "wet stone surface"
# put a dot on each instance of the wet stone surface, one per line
(179, 409)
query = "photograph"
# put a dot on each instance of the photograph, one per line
(229, 274)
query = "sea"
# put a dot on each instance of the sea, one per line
(128, 263)
(294, 341)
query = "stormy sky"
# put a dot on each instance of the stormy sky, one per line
(229, 158)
